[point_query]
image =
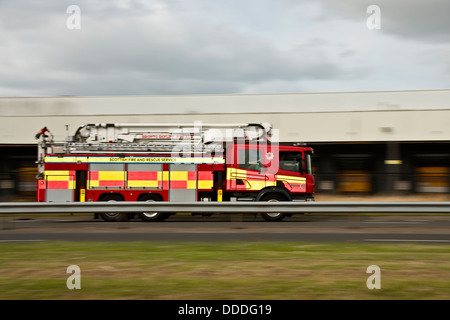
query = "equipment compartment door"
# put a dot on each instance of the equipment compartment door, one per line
(106, 176)
(60, 185)
(182, 182)
(145, 176)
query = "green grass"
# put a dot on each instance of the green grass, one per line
(230, 270)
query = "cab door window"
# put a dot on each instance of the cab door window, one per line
(250, 159)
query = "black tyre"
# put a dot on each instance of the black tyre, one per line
(152, 216)
(273, 216)
(113, 216)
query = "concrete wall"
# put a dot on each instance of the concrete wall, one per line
(321, 117)
(293, 127)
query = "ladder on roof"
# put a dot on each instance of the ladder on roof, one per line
(162, 138)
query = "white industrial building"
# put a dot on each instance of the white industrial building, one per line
(367, 142)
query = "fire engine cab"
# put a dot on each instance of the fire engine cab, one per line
(172, 162)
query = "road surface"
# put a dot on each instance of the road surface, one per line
(426, 229)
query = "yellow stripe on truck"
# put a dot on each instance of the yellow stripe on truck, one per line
(111, 175)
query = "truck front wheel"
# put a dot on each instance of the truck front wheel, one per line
(273, 216)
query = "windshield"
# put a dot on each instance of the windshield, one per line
(308, 164)
(291, 161)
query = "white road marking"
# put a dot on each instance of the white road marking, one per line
(22, 240)
(407, 240)
(403, 221)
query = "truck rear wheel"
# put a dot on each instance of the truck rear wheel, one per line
(273, 216)
(152, 216)
(113, 216)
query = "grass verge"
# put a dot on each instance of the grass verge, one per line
(231, 270)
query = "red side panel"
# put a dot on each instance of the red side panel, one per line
(41, 191)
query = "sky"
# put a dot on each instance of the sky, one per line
(172, 47)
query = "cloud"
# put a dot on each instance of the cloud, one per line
(136, 48)
(426, 21)
(179, 47)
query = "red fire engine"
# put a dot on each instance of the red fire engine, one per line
(172, 162)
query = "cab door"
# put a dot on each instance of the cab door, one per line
(291, 170)
(246, 171)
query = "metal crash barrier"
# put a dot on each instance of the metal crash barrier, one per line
(225, 207)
